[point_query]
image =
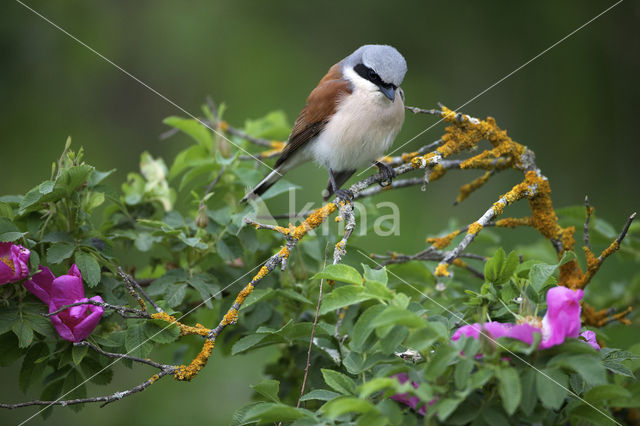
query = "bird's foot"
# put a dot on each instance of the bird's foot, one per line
(344, 195)
(388, 172)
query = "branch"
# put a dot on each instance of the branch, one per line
(123, 311)
(132, 286)
(104, 399)
(163, 367)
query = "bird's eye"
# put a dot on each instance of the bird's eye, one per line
(373, 75)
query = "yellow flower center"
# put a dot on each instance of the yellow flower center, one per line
(532, 320)
(7, 261)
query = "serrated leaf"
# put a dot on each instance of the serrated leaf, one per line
(362, 328)
(551, 386)
(344, 296)
(89, 268)
(31, 370)
(339, 272)
(269, 389)
(161, 332)
(393, 315)
(78, 353)
(175, 294)
(320, 395)
(135, 341)
(95, 372)
(58, 252)
(347, 404)
(273, 412)
(247, 342)
(23, 331)
(339, 382)
(509, 388)
(606, 392)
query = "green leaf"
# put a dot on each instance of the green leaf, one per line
(247, 342)
(59, 252)
(539, 274)
(343, 296)
(188, 158)
(10, 351)
(78, 353)
(74, 388)
(375, 275)
(269, 389)
(397, 316)
(529, 395)
(509, 388)
(462, 373)
(339, 382)
(320, 395)
(89, 268)
(617, 367)
(606, 392)
(95, 372)
(340, 272)
(8, 316)
(24, 332)
(272, 413)
(551, 385)
(135, 341)
(375, 385)
(8, 231)
(590, 367)
(175, 294)
(32, 370)
(439, 362)
(193, 128)
(362, 329)
(348, 404)
(161, 332)
(494, 265)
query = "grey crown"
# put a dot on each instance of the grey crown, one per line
(385, 60)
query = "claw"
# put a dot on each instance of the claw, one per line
(388, 172)
(344, 195)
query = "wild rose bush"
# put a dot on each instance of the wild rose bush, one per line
(510, 349)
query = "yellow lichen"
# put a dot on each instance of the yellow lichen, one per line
(437, 172)
(185, 330)
(422, 161)
(279, 145)
(467, 189)
(474, 228)
(442, 270)
(459, 263)
(442, 242)
(512, 222)
(188, 372)
(408, 156)
(338, 219)
(312, 221)
(154, 378)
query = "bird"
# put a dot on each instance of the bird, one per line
(349, 121)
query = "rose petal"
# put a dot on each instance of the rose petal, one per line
(66, 289)
(84, 328)
(62, 329)
(562, 319)
(590, 337)
(40, 284)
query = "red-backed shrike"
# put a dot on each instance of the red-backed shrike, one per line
(351, 118)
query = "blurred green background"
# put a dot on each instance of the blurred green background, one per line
(576, 107)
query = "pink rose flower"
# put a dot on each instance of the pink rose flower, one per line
(561, 321)
(13, 262)
(73, 324)
(407, 399)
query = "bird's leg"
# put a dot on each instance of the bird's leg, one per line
(387, 171)
(343, 194)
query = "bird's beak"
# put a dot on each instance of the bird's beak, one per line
(389, 92)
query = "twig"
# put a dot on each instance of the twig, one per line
(130, 282)
(163, 367)
(313, 330)
(106, 399)
(586, 222)
(123, 311)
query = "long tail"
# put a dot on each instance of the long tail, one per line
(265, 184)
